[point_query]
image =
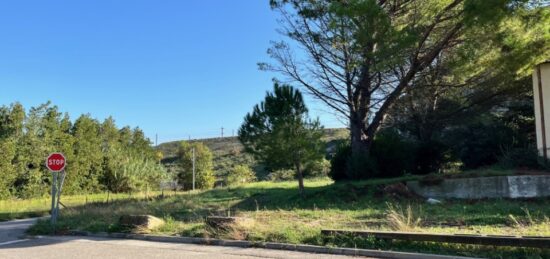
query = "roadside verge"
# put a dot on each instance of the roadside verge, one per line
(268, 245)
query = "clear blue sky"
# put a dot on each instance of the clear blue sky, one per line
(173, 68)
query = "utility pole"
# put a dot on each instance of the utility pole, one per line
(193, 168)
(156, 140)
(222, 132)
(232, 133)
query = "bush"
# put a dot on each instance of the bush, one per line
(521, 158)
(339, 162)
(282, 175)
(394, 155)
(317, 168)
(430, 157)
(240, 174)
(348, 166)
(481, 144)
(361, 166)
(129, 173)
(391, 155)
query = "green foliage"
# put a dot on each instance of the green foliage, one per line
(26, 139)
(228, 152)
(87, 164)
(361, 166)
(388, 148)
(526, 157)
(131, 173)
(338, 162)
(279, 133)
(430, 157)
(7, 170)
(204, 176)
(281, 175)
(374, 61)
(239, 175)
(319, 168)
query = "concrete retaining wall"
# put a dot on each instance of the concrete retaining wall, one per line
(521, 186)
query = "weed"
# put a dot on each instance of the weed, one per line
(400, 220)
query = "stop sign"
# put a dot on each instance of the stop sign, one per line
(55, 162)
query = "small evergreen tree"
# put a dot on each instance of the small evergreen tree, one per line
(279, 133)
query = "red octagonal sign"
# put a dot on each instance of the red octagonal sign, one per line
(55, 162)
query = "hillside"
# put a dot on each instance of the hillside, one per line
(228, 152)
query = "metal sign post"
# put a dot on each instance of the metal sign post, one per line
(54, 195)
(60, 181)
(56, 164)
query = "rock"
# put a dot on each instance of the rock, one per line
(433, 201)
(141, 221)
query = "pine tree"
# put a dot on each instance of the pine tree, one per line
(279, 133)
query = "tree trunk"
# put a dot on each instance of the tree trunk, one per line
(359, 143)
(300, 179)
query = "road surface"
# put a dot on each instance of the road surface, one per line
(60, 247)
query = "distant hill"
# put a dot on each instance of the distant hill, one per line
(228, 152)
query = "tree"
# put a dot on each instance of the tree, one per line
(452, 91)
(8, 130)
(240, 174)
(88, 161)
(204, 176)
(98, 155)
(279, 133)
(361, 56)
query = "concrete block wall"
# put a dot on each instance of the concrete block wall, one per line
(521, 186)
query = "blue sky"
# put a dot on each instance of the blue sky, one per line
(173, 68)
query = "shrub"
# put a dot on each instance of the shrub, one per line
(361, 166)
(240, 174)
(393, 154)
(345, 166)
(481, 144)
(521, 158)
(430, 157)
(339, 162)
(129, 173)
(317, 168)
(282, 175)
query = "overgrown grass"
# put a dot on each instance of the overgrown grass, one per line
(37, 207)
(279, 214)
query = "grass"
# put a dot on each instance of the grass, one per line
(38, 207)
(278, 214)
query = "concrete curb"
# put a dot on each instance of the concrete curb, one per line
(268, 245)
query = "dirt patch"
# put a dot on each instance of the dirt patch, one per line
(140, 223)
(396, 191)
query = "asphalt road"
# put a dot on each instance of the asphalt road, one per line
(59, 247)
(11, 231)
